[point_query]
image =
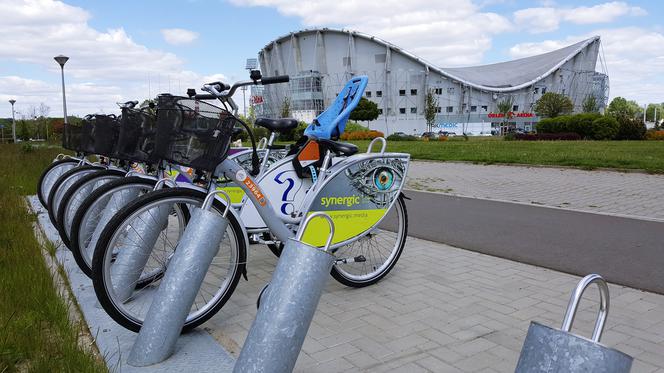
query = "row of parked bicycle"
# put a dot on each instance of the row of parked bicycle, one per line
(124, 201)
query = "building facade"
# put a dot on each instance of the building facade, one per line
(320, 61)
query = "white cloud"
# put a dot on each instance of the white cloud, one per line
(548, 18)
(446, 32)
(104, 66)
(634, 59)
(179, 36)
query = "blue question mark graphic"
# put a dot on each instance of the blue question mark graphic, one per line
(287, 207)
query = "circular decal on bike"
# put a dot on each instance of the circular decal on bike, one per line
(240, 175)
(383, 178)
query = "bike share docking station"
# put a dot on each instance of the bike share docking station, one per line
(282, 322)
(180, 284)
(547, 349)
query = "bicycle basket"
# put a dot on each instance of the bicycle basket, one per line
(105, 131)
(137, 136)
(76, 138)
(192, 133)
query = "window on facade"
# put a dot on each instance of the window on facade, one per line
(438, 109)
(402, 110)
(543, 90)
(380, 111)
(368, 93)
(390, 111)
(413, 92)
(473, 108)
(402, 92)
(413, 110)
(485, 108)
(536, 90)
(515, 108)
(379, 93)
(449, 109)
(450, 90)
(438, 91)
(463, 107)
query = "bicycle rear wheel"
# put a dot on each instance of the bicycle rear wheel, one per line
(50, 175)
(122, 234)
(372, 257)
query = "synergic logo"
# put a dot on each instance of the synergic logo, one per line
(348, 201)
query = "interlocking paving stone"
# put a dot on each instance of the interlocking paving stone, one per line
(610, 192)
(447, 309)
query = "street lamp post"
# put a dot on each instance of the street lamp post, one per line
(12, 101)
(61, 60)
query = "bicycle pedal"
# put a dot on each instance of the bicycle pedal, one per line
(357, 259)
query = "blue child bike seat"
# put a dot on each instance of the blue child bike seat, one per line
(331, 123)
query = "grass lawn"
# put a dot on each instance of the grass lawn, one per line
(641, 155)
(37, 335)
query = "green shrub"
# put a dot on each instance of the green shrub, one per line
(354, 127)
(401, 138)
(582, 124)
(605, 128)
(630, 129)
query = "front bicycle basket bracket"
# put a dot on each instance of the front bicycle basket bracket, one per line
(557, 350)
(180, 285)
(288, 305)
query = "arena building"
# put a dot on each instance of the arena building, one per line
(320, 61)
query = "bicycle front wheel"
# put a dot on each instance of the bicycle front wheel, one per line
(133, 228)
(50, 175)
(97, 209)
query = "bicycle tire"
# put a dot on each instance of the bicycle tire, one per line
(100, 257)
(50, 174)
(78, 221)
(74, 190)
(55, 195)
(367, 280)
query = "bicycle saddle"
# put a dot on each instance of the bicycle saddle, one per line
(277, 125)
(339, 148)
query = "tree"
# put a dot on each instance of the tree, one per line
(655, 112)
(430, 108)
(285, 108)
(23, 132)
(504, 108)
(551, 104)
(590, 104)
(366, 110)
(621, 108)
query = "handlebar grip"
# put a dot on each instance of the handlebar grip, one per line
(275, 79)
(202, 96)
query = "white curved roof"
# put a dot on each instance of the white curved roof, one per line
(497, 77)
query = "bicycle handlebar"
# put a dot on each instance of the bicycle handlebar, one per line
(217, 88)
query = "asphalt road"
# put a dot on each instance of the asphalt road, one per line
(623, 250)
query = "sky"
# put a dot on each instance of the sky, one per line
(124, 50)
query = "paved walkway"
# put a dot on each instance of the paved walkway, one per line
(628, 194)
(445, 309)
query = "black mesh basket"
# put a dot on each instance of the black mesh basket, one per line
(105, 132)
(192, 133)
(137, 136)
(77, 138)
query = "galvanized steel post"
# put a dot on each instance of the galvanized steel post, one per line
(277, 334)
(180, 285)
